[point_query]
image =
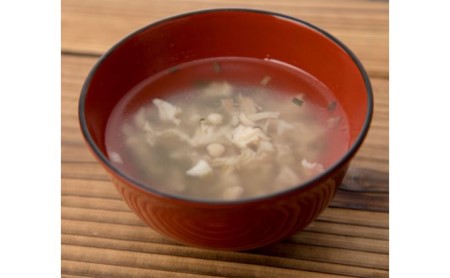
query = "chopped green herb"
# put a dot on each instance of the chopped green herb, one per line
(298, 101)
(174, 69)
(332, 106)
(217, 67)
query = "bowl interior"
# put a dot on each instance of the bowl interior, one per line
(223, 33)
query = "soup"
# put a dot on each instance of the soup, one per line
(226, 129)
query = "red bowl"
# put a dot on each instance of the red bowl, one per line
(229, 225)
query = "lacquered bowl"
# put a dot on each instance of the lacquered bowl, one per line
(228, 225)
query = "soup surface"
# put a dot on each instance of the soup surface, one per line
(226, 129)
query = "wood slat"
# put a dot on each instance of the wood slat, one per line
(341, 241)
(83, 170)
(356, 217)
(73, 276)
(240, 257)
(178, 264)
(368, 163)
(89, 188)
(366, 180)
(324, 254)
(71, 201)
(141, 237)
(89, 269)
(348, 229)
(93, 26)
(361, 201)
(101, 216)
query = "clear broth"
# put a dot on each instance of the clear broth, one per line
(309, 134)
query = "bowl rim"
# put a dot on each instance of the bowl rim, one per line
(192, 200)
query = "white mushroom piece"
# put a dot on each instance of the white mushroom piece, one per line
(201, 169)
(139, 118)
(247, 105)
(214, 119)
(263, 116)
(313, 166)
(215, 149)
(167, 112)
(245, 120)
(207, 134)
(243, 136)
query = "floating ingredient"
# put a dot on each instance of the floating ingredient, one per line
(265, 80)
(201, 169)
(298, 100)
(166, 111)
(332, 106)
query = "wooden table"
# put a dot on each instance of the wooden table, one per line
(101, 237)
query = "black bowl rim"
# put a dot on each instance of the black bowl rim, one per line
(278, 194)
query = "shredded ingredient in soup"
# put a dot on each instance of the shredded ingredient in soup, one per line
(224, 140)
